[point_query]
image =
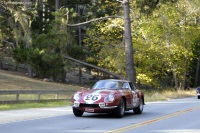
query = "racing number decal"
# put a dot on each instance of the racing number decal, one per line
(92, 98)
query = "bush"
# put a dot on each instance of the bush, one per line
(44, 64)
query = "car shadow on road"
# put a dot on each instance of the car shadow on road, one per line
(105, 115)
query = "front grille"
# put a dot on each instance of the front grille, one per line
(89, 105)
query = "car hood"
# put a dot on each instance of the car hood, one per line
(97, 91)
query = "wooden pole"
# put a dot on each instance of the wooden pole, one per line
(130, 70)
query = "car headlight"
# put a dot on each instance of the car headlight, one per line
(77, 96)
(109, 98)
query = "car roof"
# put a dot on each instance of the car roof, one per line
(118, 80)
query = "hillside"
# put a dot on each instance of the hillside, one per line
(15, 81)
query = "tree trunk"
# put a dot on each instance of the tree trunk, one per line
(27, 30)
(79, 43)
(175, 78)
(57, 4)
(80, 74)
(197, 73)
(0, 64)
(184, 75)
(130, 70)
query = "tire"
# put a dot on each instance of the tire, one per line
(77, 113)
(119, 112)
(139, 109)
(198, 97)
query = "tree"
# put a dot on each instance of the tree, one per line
(22, 16)
(168, 48)
(130, 71)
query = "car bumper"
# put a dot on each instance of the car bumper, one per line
(96, 108)
(108, 107)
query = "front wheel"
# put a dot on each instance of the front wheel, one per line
(77, 113)
(139, 109)
(119, 112)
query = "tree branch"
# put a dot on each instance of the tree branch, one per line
(103, 18)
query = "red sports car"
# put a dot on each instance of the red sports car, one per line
(108, 96)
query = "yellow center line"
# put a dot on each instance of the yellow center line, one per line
(133, 126)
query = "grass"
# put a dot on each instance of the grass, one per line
(12, 97)
(168, 94)
(17, 81)
(27, 105)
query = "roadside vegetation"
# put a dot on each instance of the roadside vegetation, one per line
(72, 44)
(26, 105)
(165, 39)
(17, 81)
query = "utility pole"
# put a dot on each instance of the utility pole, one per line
(130, 69)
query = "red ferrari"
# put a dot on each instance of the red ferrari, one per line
(108, 96)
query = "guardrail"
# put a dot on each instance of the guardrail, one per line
(68, 94)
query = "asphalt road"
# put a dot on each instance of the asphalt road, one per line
(174, 116)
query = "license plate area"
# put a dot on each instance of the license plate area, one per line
(89, 110)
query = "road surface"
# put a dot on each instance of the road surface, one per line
(174, 116)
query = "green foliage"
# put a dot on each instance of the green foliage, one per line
(45, 56)
(105, 45)
(105, 8)
(166, 43)
(1, 28)
(163, 43)
(166, 39)
(76, 51)
(45, 64)
(148, 6)
(20, 54)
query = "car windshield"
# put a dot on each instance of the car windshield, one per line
(107, 84)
